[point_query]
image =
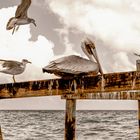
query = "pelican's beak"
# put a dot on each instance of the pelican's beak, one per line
(90, 50)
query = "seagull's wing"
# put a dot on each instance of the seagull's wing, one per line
(8, 64)
(137, 54)
(22, 9)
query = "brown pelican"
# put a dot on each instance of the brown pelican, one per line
(75, 65)
(21, 17)
(13, 67)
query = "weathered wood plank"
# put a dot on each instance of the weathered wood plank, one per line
(112, 82)
(105, 96)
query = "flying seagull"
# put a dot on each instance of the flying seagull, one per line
(137, 54)
(75, 65)
(21, 17)
(13, 67)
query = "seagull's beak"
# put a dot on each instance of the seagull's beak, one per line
(9, 27)
(10, 24)
(34, 24)
(29, 62)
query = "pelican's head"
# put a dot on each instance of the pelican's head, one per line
(25, 61)
(31, 20)
(89, 49)
(11, 23)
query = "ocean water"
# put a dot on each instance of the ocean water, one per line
(49, 125)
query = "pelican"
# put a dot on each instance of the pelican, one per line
(21, 17)
(13, 67)
(75, 65)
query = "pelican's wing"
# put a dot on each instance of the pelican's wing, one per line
(71, 65)
(22, 9)
(8, 64)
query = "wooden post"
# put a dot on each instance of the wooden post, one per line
(139, 116)
(70, 116)
(138, 69)
(70, 119)
(1, 134)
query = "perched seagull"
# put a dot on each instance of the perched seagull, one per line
(75, 65)
(13, 67)
(21, 17)
(137, 54)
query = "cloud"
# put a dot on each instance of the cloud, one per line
(119, 64)
(64, 37)
(19, 46)
(115, 24)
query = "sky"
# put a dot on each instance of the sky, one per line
(114, 27)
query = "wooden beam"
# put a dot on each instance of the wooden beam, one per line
(112, 82)
(104, 96)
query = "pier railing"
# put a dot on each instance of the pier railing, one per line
(119, 86)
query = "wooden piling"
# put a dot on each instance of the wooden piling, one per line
(139, 116)
(138, 69)
(70, 119)
(1, 134)
(70, 116)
